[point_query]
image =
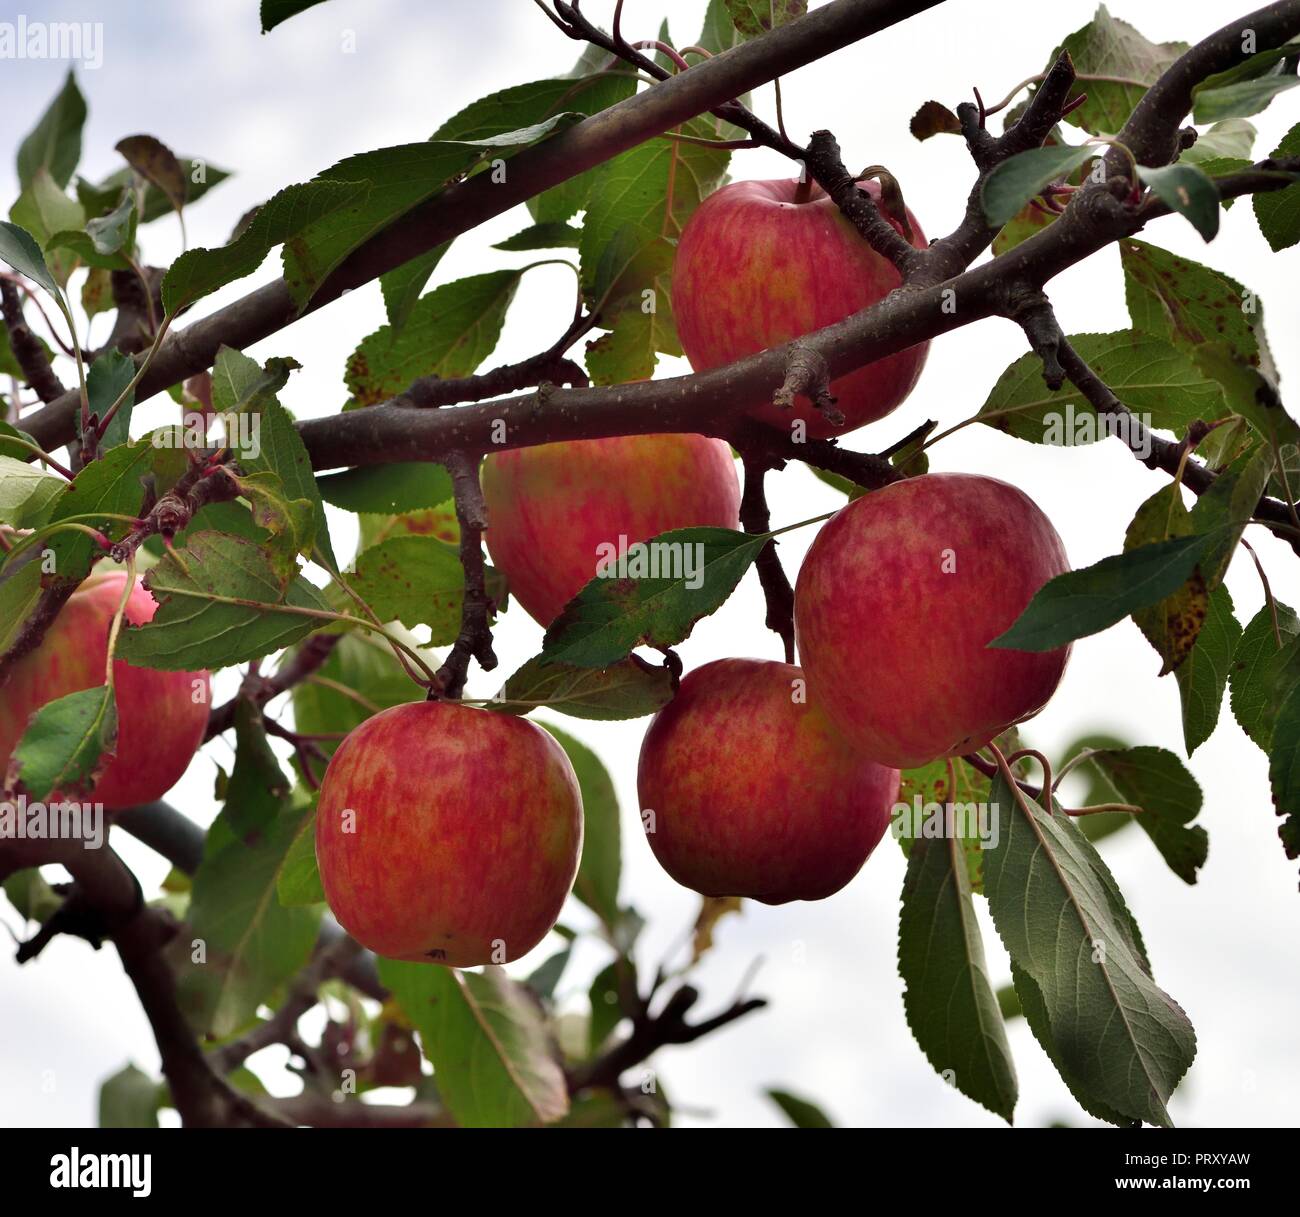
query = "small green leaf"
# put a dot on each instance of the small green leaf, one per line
(66, 744)
(949, 1000)
(630, 689)
(800, 1112)
(754, 17)
(1023, 176)
(1203, 675)
(1159, 783)
(386, 489)
(402, 286)
(1284, 771)
(55, 142)
(1265, 667)
(274, 12)
(1239, 100)
(106, 381)
(224, 605)
(299, 881)
(692, 572)
(130, 1099)
(1224, 510)
(19, 248)
(1087, 601)
(486, 1039)
(251, 943)
(414, 580)
(555, 235)
(601, 865)
(1278, 211)
(1189, 191)
(26, 492)
(1118, 1040)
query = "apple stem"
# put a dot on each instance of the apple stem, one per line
(803, 192)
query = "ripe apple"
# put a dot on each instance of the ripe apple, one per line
(897, 599)
(755, 269)
(551, 507)
(448, 834)
(161, 716)
(748, 790)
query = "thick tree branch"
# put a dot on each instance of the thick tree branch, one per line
(465, 205)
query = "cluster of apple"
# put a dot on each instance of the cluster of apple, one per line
(453, 834)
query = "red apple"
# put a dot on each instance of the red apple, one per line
(448, 834)
(551, 508)
(755, 269)
(897, 600)
(161, 716)
(747, 790)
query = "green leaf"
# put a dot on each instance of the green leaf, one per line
(1224, 510)
(55, 142)
(1284, 771)
(1278, 211)
(114, 232)
(1203, 675)
(754, 17)
(26, 492)
(1189, 191)
(401, 287)
(414, 580)
(199, 272)
(606, 1013)
(601, 865)
(66, 744)
(1107, 46)
(950, 1004)
(252, 944)
(1115, 1035)
(1150, 376)
(257, 789)
(398, 179)
(610, 616)
(486, 1039)
(19, 248)
(1264, 670)
(1022, 177)
(193, 629)
(1239, 100)
(629, 351)
(1087, 601)
(587, 90)
(19, 594)
(448, 334)
(555, 235)
(299, 882)
(1231, 139)
(1159, 783)
(130, 1099)
(240, 385)
(32, 897)
(630, 689)
(800, 1112)
(385, 489)
(1173, 624)
(106, 381)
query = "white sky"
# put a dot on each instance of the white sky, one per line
(279, 108)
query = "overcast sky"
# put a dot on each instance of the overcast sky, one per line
(277, 109)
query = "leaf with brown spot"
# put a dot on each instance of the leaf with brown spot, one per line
(1172, 625)
(156, 163)
(712, 910)
(934, 118)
